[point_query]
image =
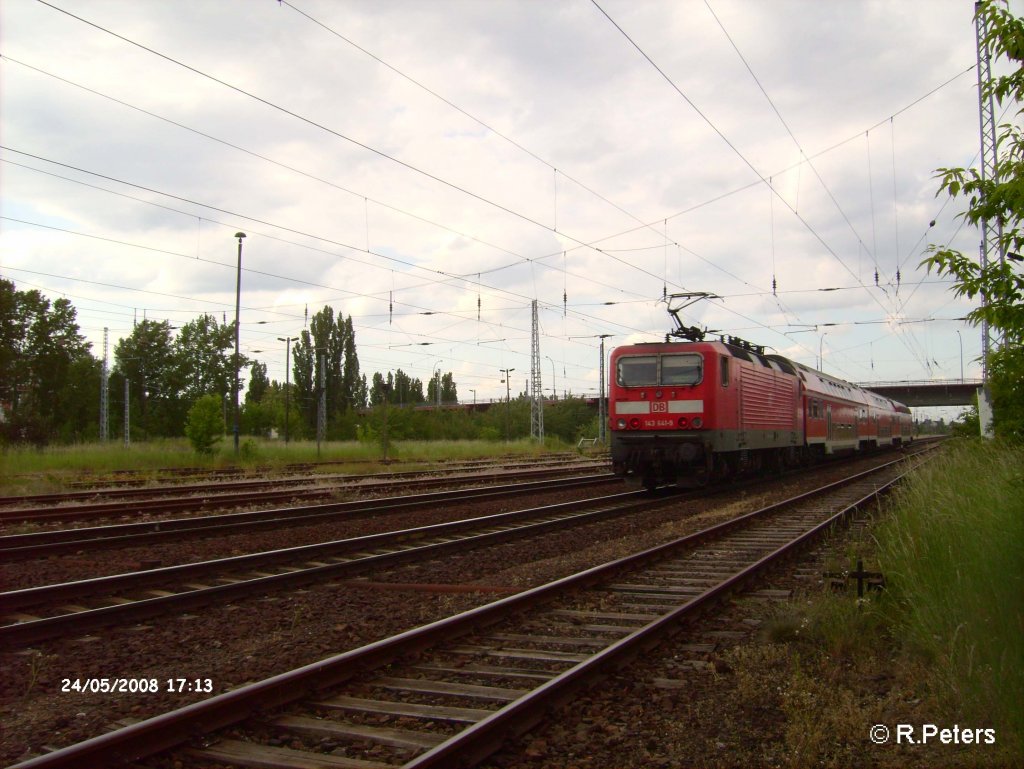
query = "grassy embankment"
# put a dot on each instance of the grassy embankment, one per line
(942, 645)
(953, 554)
(33, 470)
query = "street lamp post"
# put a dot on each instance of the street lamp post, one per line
(554, 390)
(961, 355)
(821, 355)
(287, 365)
(238, 301)
(508, 402)
(436, 376)
(321, 409)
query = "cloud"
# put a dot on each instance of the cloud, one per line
(372, 185)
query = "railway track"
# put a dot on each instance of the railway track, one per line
(61, 507)
(451, 692)
(46, 543)
(129, 478)
(34, 614)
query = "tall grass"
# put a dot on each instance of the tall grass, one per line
(953, 555)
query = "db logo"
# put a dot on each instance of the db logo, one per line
(659, 407)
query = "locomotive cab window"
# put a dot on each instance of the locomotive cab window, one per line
(685, 369)
(637, 371)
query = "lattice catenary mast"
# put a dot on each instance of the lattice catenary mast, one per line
(991, 232)
(104, 394)
(537, 399)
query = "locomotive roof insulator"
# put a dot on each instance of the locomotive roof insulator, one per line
(743, 344)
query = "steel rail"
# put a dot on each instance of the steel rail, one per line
(170, 729)
(18, 546)
(483, 738)
(256, 483)
(551, 518)
(212, 497)
(193, 474)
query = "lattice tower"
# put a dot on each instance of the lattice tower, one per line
(991, 232)
(537, 393)
(104, 395)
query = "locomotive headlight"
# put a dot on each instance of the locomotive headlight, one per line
(634, 423)
(697, 423)
(682, 422)
(621, 424)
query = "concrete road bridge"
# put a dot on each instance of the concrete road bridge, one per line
(945, 392)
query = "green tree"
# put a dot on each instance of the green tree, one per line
(381, 389)
(146, 358)
(13, 325)
(353, 385)
(405, 391)
(329, 343)
(205, 424)
(258, 383)
(203, 353)
(76, 413)
(41, 351)
(449, 392)
(999, 201)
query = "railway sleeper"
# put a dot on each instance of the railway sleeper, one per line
(439, 700)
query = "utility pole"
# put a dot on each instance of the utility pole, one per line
(508, 401)
(601, 409)
(321, 412)
(287, 365)
(386, 440)
(238, 300)
(435, 377)
(126, 413)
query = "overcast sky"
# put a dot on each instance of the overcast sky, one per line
(429, 167)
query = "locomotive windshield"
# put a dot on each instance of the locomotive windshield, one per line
(681, 369)
(637, 370)
(655, 370)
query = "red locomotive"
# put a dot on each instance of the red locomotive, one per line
(693, 412)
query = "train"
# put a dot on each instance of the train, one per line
(692, 413)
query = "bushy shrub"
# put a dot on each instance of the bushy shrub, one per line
(205, 424)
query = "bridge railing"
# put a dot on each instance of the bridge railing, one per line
(923, 383)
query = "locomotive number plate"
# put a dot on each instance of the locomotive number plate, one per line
(659, 423)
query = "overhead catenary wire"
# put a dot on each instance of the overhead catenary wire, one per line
(805, 159)
(741, 156)
(320, 126)
(565, 303)
(190, 201)
(522, 258)
(479, 121)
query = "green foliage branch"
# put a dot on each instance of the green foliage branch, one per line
(999, 202)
